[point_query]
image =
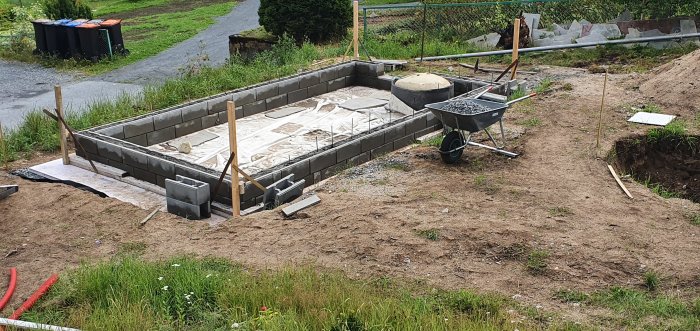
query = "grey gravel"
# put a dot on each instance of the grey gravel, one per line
(465, 106)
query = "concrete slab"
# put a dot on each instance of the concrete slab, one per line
(301, 205)
(283, 112)
(651, 118)
(194, 139)
(363, 103)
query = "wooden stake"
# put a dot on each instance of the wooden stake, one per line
(3, 148)
(619, 182)
(233, 147)
(61, 128)
(148, 218)
(516, 44)
(356, 28)
(600, 116)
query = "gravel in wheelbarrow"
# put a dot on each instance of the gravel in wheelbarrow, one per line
(465, 107)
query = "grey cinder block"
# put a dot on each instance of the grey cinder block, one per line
(114, 131)
(297, 95)
(109, 151)
(349, 150)
(403, 142)
(138, 140)
(188, 211)
(119, 165)
(346, 69)
(135, 159)
(394, 132)
(254, 108)
(360, 159)
(329, 74)
(87, 143)
(266, 91)
(416, 124)
(372, 141)
(318, 89)
(187, 190)
(336, 84)
(161, 167)
(333, 170)
(144, 175)
(195, 111)
(310, 79)
(139, 126)
(218, 104)
(299, 169)
(384, 82)
(188, 127)
(160, 136)
(210, 120)
(166, 119)
(322, 160)
(243, 97)
(277, 101)
(288, 85)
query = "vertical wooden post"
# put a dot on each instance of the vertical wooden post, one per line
(516, 44)
(3, 148)
(356, 28)
(600, 115)
(61, 128)
(233, 147)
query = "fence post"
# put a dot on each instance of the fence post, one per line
(516, 45)
(356, 28)
(422, 39)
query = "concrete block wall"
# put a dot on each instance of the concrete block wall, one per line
(181, 120)
(122, 145)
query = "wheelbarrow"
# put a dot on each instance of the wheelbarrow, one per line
(463, 116)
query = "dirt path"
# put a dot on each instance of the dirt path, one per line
(488, 211)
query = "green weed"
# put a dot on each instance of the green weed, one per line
(694, 218)
(537, 261)
(531, 122)
(568, 87)
(651, 280)
(544, 85)
(571, 296)
(430, 234)
(434, 141)
(658, 189)
(652, 108)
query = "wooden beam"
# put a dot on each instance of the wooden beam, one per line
(516, 44)
(356, 28)
(619, 182)
(61, 127)
(233, 148)
(488, 70)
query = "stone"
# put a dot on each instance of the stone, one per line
(185, 147)
(301, 205)
(362, 103)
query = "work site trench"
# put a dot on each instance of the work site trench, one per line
(669, 165)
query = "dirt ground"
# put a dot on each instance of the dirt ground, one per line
(489, 211)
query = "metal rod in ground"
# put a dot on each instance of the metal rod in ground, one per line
(317, 143)
(557, 47)
(332, 140)
(600, 115)
(3, 148)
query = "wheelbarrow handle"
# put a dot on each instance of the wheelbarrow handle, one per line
(520, 99)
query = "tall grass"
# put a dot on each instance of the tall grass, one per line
(212, 294)
(39, 133)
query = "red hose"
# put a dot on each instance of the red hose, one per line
(10, 288)
(34, 297)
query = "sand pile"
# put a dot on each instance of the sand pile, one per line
(676, 84)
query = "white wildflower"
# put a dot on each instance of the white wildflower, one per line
(165, 288)
(160, 278)
(175, 265)
(235, 326)
(209, 275)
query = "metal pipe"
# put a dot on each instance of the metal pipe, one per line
(556, 47)
(33, 326)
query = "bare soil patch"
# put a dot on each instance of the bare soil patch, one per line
(676, 84)
(489, 214)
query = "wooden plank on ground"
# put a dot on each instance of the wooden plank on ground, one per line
(619, 182)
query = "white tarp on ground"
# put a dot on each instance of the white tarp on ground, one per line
(264, 142)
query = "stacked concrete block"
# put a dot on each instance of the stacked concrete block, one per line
(282, 191)
(188, 198)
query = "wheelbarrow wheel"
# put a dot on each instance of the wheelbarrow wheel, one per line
(452, 142)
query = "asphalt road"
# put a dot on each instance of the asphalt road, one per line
(26, 87)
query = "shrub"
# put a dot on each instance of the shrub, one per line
(316, 20)
(58, 9)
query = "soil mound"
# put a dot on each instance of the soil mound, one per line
(676, 84)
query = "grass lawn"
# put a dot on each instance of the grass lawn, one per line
(149, 27)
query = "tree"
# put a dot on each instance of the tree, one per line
(58, 9)
(317, 20)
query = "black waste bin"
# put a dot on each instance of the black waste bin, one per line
(50, 30)
(73, 38)
(89, 40)
(114, 27)
(57, 31)
(40, 34)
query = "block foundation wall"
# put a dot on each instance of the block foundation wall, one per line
(123, 144)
